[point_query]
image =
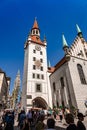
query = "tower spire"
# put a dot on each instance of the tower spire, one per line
(35, 31)
(64, 41)
(35, 25)
(79, 31)
(49, 65)
(65, 45)
(45, 41)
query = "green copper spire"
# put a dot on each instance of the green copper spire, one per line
(78, 29)
(64, 41)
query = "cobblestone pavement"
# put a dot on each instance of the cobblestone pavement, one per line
(59, 125)
(63, 124)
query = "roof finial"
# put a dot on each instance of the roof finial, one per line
(64, 41)
(35, 25)
(79, 31)
(18, 73)
(45, 41)
(44, 37)
(35, 18)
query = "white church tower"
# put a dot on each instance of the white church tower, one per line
(36, 90)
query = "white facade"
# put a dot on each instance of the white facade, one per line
(70, 76)
(36, 86)
(65, 84)
(4, 89)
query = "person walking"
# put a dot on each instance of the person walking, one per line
(70, 121)
(80, 124)
(40, 125)
(50, 124)
(26, 124)
(22, 117)
(30, 117)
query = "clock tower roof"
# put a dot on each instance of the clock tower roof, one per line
(35, 25)
(35, 34)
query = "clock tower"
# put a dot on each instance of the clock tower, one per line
(36, 91)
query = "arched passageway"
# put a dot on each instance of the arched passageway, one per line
(39, 103)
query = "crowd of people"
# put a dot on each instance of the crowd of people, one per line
(34, 120)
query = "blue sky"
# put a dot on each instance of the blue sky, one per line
(55, 17)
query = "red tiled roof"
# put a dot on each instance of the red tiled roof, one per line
(51, 69)
(35, 25)
(59, 64)
(36, 39)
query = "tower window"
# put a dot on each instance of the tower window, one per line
(34, 51)
(33, 75)
(41, 53)
(38, 76)
(38, 88)
(36, 31)
(34, 67)
(41, 68)
(81, 74)
(34, 58)
(33, 31)
(41, 60)
(42, 76)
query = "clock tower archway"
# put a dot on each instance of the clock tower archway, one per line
(39, 102)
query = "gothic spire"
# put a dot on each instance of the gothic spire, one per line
(45, 41)
(65, 45)
(79, 31)
(18, 72)
(64, 41)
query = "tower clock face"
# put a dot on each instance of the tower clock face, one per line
(38, 48)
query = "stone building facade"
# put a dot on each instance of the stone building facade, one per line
(4, 89)
(36, 86)
(69, 79)
(65, 84)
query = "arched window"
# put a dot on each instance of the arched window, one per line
(62, 82)
(81, 74)
(54, 87)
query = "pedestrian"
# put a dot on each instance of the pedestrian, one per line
(9, 120)
(40, 125)
(70, 121)
(50, 124)
(54, 113)
(26, 124)
(80, 124)
(21, 119)
(30, 117)
(61, 115)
